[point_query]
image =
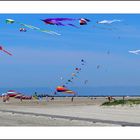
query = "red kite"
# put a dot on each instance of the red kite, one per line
(63, 89)
(1, 49)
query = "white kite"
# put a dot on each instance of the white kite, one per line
(135, 52)
(108, 21)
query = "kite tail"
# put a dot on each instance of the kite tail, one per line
(49, 32)
(73, 25)
(52, 32)
(7, 52)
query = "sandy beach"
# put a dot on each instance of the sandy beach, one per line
(83, 111)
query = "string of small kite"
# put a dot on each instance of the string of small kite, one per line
(74, 74)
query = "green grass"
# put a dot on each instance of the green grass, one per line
(122, 102)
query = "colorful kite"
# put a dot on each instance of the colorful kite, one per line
(2, 49)
(63, 89)
(83, 21)
(59, 21)
(12, 93)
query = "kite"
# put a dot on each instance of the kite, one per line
(119, 37)
(108, 52)
(11, 21)
(73, 74)
(38, 29)
(83, 21)
(18, 96)
(1, 49)
(61, 78)
(86, 81)
(63, 89)
(98, 66)
(108, 21)
(83, 61)
(77, 69)
(69, 81)
(59, 21)
(12, 93)
(23, 97)
(135, 52)
(22, 30)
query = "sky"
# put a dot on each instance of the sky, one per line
(40, 59)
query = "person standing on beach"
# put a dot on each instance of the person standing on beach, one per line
(72, 99)
(5, 97)
(39, 99)
(47, 99)
(21, 98)
(109, 98)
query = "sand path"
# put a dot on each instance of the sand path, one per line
(87, 113)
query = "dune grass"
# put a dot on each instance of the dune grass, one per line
(122, 102)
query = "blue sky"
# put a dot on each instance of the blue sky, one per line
(40, 60)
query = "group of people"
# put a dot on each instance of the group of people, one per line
(6, 98)
(52, 98)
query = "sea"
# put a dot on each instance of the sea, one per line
(80, 91)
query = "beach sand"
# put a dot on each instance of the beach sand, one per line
(83, 111)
